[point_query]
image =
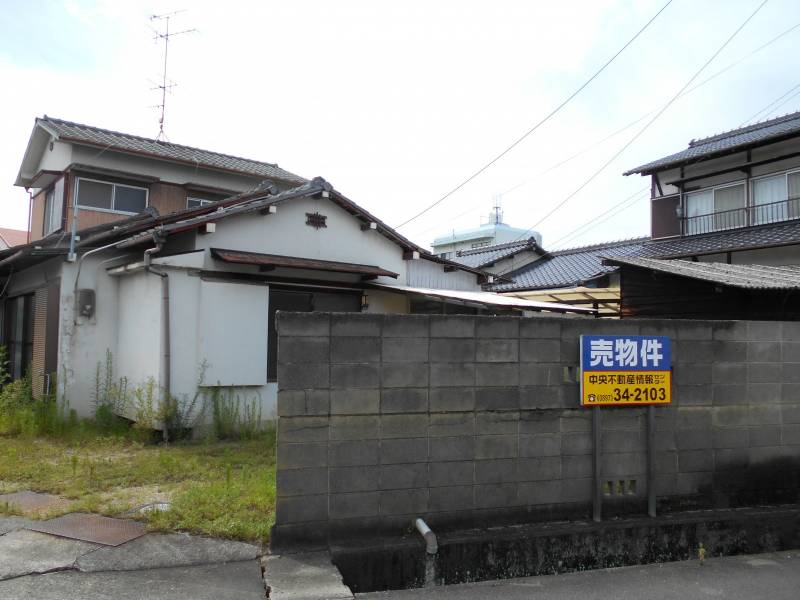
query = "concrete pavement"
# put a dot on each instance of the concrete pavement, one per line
(775, 576)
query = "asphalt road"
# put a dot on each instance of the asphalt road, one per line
(774, 576)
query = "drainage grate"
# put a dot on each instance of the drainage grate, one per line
(30, 501)
(92, 528)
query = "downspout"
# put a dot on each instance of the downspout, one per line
(167, 343)
(30, 214)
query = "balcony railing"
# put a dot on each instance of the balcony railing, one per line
(761, 214)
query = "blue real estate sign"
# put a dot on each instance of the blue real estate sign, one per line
(625, 370)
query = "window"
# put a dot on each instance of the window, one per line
(111, 197)
(18, 334)
(197, 198)
(445, 254)
(196, 202)
(53, 202)
(776, 198)
(479, 245)
(715, 209)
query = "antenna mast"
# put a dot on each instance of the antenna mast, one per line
(165, 35)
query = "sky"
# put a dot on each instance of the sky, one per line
(396, 103)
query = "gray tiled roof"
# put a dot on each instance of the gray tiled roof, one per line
(759, 277)
(568, 268)
(124, 142)
(480, 257)
(726, 142)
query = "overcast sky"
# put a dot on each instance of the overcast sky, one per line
(396, 103)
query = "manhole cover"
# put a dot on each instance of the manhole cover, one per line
(92, 528)
(30, 501)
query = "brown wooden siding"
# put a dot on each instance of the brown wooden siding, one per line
(167, 198)
(664, 219)
(37, 216)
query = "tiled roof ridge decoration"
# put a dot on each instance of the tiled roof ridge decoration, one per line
(745, 129)
(81, 132)
(493, 247)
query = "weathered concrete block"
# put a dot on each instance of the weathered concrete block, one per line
(692, 374)
(291, 403)
(575, 443)
(404, 375)
(301, 482)
(404, 426)
(450, 498)
(666, 462)
(790, 331)
(763, 393)
(731, 458)
(451, 424)
(354, 376)
(729, 351)
(318, 402)
(404, 502)
(694, 439)
(497, 398)
(451, 473)
(765, 435)
(728, 372)
(688, 330)
(301, 509)
(631, 419)
(356, 325)
(497, 495)
(496, 423)
(764, 373)
(540, 327)
(666, 440)
(694, 351)
(763, 330)
(452, 350)
(540, 492)
(350, 506)
(304, 349)
(541, 468)
(790, 413)
(355, 349)
(539, 422)
(790, 434)
(695, 460)
(758, 352)
(764, 414)
(726, 395)
(353, 453)
(355, 427)
(575, 467)
(495, 470)
(576, 420)
(729, 330)
(497, 327)
(730, 437)
(302, 429)
(302, 324)
(570, 353)
(695, 417)
(693, 395)
(452, 399)
(576, 490)
(497, 374)
(404, 349)
(540, 444)
(497, 350)
(452, 374)
(451, 448)
(539, 350)
(623, 465)
(297, 456)
(539, 397)
(402, 476)
(764, 454)
(404, 400)
(622, 441)
(354, 402)
(790, 392)
(496, 446)
(412, 326)
(303, 376)
(790, 373)
(692, 483)
(452, 326)
(411, 450)
(353, 479)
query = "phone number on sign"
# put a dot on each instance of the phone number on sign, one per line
(629, 395)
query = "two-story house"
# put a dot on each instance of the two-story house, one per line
(175, 260)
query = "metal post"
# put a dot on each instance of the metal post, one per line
(651, 461)
(597, 496)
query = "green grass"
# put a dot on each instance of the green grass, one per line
(219, 489)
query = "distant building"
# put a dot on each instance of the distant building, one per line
(12, 237)
(490, 233)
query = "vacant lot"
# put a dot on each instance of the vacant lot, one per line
(220, 489)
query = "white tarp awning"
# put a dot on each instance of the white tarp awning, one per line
(485, 298)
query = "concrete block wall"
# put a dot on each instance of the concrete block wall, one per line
(473, 421)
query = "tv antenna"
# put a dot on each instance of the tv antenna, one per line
(166, 84)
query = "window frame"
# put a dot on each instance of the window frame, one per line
(202, 201)
(793, 171)
(713, 189)
(114, 186)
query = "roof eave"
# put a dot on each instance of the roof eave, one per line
(37, 142)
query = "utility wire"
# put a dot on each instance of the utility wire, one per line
(632, 123)
(643, 129)
(770, 105)
(539, 124)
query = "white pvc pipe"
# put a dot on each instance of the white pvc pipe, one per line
(431, 545)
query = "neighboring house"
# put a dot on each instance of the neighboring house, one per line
(176, 293)
(501, 258)
(493, 233)
(12, 237)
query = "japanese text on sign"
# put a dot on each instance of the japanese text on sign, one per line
(625, 370)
